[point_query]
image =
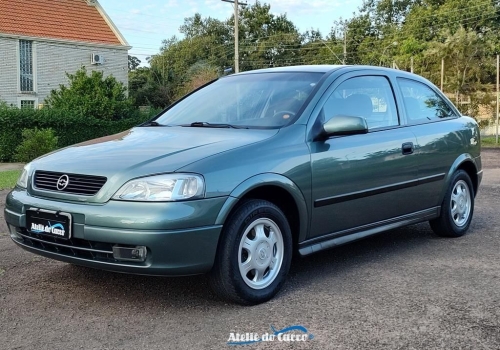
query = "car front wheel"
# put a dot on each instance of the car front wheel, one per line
(254, 254)
(457, 207)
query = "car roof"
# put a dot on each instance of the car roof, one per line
(327, 68)
(320, 68)
(330, 68)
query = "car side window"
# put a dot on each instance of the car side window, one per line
(422, 104)
(370, 97)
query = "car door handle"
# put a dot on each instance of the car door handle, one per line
(408, 148)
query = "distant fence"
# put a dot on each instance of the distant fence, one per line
(489, 130)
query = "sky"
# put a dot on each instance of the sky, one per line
(144, 24)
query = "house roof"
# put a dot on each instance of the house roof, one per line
(75, 20)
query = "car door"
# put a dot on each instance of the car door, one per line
(439, 142)
(361, 181)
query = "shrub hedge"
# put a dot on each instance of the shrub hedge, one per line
(69, 129)
(36, 142)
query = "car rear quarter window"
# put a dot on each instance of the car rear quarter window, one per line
(370, 97)
(421, 103)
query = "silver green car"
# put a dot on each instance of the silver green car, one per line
(251, 168)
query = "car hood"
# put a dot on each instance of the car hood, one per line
(144, 151)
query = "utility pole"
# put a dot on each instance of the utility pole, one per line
(498, 88)
(236, 33)
(345, 45)
(442, 74)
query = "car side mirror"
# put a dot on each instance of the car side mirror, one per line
(343, 125)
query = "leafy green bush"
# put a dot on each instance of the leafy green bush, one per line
(90, 107)
(69, 128)
(36, 142)
(91, 96)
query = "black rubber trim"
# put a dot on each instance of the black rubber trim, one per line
(342, 237)
(379, 190)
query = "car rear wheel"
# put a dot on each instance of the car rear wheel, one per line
(457, 207)
(254, 254)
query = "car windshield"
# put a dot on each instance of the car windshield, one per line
(262, 100)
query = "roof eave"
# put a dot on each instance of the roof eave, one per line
(111, 25)
(66, 41)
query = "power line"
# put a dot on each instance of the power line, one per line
(404, 32)
(413, 25)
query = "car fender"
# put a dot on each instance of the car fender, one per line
(463, 158)
(267, 179)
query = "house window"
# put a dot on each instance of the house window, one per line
(26, 66)
(27, 102)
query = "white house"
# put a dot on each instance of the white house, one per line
(41, 40)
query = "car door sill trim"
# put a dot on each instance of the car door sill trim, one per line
(378, 190)
(342, 237)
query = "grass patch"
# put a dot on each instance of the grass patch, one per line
(490, 141)
(8, 178)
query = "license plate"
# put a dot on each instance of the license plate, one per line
(48, 223)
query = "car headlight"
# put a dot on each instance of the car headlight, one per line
(23, 179)
(161, 188)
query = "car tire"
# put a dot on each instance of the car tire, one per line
(457, 207)
(254, 254)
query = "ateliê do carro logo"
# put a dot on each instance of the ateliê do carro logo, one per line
(289, 334)
(56, 229)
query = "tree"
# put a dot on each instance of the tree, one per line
(410, 32)
(144, 90)
(361, 38)
(463, 53)
(91, 96)
(267, 40)
(199, 74)
(133, 63)
(197, 26)
(318, 50)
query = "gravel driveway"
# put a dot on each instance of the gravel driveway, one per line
(404, 289)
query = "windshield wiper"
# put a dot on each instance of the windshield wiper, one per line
(210, 125)
(154, 123)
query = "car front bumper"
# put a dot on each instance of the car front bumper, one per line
(181, 237)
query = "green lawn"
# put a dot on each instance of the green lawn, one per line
(8, 178)
(489, 141)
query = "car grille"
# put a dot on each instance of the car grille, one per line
(74, 247)
(86, 185)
